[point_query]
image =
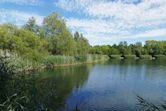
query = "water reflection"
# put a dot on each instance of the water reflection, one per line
(113, 86)
(47, 92)
(110, 86)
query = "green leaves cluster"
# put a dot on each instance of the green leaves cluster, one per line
(150, 47)
(34, 42)
(21, 42)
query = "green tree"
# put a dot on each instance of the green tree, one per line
(82, 44)
(59, 38)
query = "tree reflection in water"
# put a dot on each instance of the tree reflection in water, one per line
(42, 92)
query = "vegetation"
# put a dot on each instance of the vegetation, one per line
(33, 46)
(130, 56)
(150, 49)
(34, 93)
(147, 106)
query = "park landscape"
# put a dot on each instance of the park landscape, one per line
(51, 67)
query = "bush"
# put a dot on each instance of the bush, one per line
(146, 57)
(115, 56)
(6, 69)
(130, 56)
(160, 56)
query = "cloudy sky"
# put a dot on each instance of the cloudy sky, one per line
(101, 21)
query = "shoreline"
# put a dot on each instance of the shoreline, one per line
(29, 70)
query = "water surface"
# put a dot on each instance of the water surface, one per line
(111, 86)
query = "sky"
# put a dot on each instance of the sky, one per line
(100, 21)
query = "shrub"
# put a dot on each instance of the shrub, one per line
(160, 56)
(130, 56)
(115, 56)
(145, 57)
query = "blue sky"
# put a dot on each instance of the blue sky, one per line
(101, 21)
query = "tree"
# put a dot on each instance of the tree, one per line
(59, 38)
(32, 26)
(82, 44)
(124, 49)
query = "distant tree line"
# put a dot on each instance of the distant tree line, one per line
(150, 47)
(33, 41)
(52, 37)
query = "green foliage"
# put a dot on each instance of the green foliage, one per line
(162, 57)
(130, 56)
(114, 51)
(31, 26)
(13, 103)
(146, 57)
(147, 51)
(69, 60)
(115, 56)
(22, 42)
(6, 69)
(82, 44)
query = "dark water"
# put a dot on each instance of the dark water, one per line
(111, 86)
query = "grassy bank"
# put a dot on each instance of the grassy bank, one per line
(133, 57)
(55, 61)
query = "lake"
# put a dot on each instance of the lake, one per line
(109, 86)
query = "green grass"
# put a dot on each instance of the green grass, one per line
(60, 60)
(54, 60)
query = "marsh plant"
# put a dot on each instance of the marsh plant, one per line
(8, 102)
(148, 106)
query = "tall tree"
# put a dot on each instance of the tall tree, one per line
(60, 39)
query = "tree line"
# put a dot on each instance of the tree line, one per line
(150, 47)
(33, 41)
(52, 37)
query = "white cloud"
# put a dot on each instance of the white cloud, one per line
(23, 2)
(118, 19)
(152, 33)
(75, 5)
(18, 17)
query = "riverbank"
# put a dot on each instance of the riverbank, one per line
(52, 61)
(134, 57)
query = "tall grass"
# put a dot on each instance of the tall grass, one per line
(66, 60)
(54, 60)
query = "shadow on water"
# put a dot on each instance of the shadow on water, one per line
(47, 92)
(110, 87)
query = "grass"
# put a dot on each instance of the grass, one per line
(67, 60)
(23, 65)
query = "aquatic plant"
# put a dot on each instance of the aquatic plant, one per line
(147, 106)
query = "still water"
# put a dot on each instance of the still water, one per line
(110, 86)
